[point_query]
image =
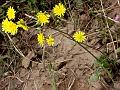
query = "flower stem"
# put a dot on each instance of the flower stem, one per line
(71, 38)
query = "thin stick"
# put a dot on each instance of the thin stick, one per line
(70, 86)
(108, 29)
(70, 12)
(15, 46)
(30, 16)
(112, 19)
(18, 51)
(16, 78)
(118, 2)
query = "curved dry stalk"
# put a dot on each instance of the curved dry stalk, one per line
(71, 38)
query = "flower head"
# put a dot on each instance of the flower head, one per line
(43, 18)
(79, 36)
(41, 38)
(21, 23)
(9, 27)
(59, 10)
(5, 24)
(50, 40)
(11, 13)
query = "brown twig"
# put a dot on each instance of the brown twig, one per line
(108, 28)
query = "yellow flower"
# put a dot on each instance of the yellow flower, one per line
(5, 24)
(59, 10)
(41, 39)
(9, 27)
(43, 18)
(11, 13)
(21, 23)
(50, 40)
(79, 36)
(13, 28)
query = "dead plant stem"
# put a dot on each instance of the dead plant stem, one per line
(70, 37)
(108, 28)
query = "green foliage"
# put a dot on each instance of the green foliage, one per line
(78, 3)
(32, 2)
(42, 4)
(105, 62)
(103, 65)
(23, 6)
(2, 13)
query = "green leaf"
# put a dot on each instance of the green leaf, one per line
(32, 2)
